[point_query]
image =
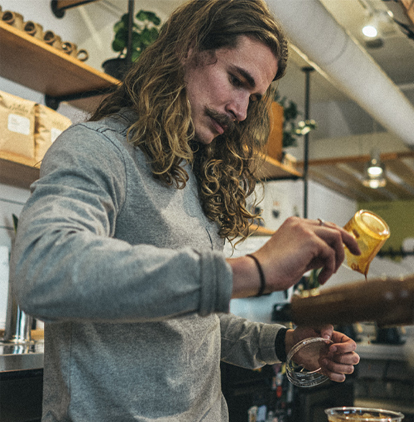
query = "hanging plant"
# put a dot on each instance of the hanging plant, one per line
(145, 31)
(292, 130)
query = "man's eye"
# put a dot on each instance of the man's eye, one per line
(254, 98)
(236, 81)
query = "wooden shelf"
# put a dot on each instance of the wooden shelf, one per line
(36, 65)
(17, 171)
(275, 170)
(256, 230)
(22, 172)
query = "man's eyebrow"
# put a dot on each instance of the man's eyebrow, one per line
(246, 75)
(249, 79)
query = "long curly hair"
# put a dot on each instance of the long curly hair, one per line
(155, 89)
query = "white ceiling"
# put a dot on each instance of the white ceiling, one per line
(395, 57)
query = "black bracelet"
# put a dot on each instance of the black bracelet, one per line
(262, 277)
(280, 345)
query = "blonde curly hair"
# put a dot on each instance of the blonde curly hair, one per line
(154, 88)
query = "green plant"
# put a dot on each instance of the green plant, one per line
(292, 129)
(144, 32)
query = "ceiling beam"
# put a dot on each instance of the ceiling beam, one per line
(387, 156)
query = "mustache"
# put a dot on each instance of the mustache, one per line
(222, 119)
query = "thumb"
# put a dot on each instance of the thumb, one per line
(326, 331)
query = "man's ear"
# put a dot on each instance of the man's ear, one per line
(189, 55)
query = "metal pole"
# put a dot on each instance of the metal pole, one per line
(307, 71)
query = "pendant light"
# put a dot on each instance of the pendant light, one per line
(371, 30)
(374, 173)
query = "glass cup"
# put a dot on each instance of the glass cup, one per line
(371, 232)
(308, 351)
(340, 414)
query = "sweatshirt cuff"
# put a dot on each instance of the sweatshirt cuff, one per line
(267, 343)
(216, 283)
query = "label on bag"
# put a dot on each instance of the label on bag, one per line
(18, 124)
(54, 133)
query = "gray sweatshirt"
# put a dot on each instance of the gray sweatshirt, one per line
(129, 276)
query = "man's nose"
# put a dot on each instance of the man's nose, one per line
(238, 107)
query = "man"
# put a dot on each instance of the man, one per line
(119, 248)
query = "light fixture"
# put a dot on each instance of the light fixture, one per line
(374, 174)
(372, 31)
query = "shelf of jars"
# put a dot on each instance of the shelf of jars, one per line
(33, 63)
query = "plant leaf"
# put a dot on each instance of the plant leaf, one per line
(125, 19)
(117, 45)
(135, 55)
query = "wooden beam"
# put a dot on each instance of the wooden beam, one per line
(388, 156)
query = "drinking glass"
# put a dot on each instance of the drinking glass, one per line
(308, 351)
(370, 232)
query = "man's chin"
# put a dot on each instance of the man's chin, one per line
(204, 139)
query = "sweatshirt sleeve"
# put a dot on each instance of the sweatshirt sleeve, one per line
(67, 265)
(246, 343)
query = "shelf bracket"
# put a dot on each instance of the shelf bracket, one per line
(59, 6)
(272, 179)
(54, 102)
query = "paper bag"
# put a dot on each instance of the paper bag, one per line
(49, 124)
(17, 118)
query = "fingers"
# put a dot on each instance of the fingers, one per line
(332, 251)
(341, 358)
(346, 238)
(301, 245)
(337, 367)
(326, 331)
(341, 343)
